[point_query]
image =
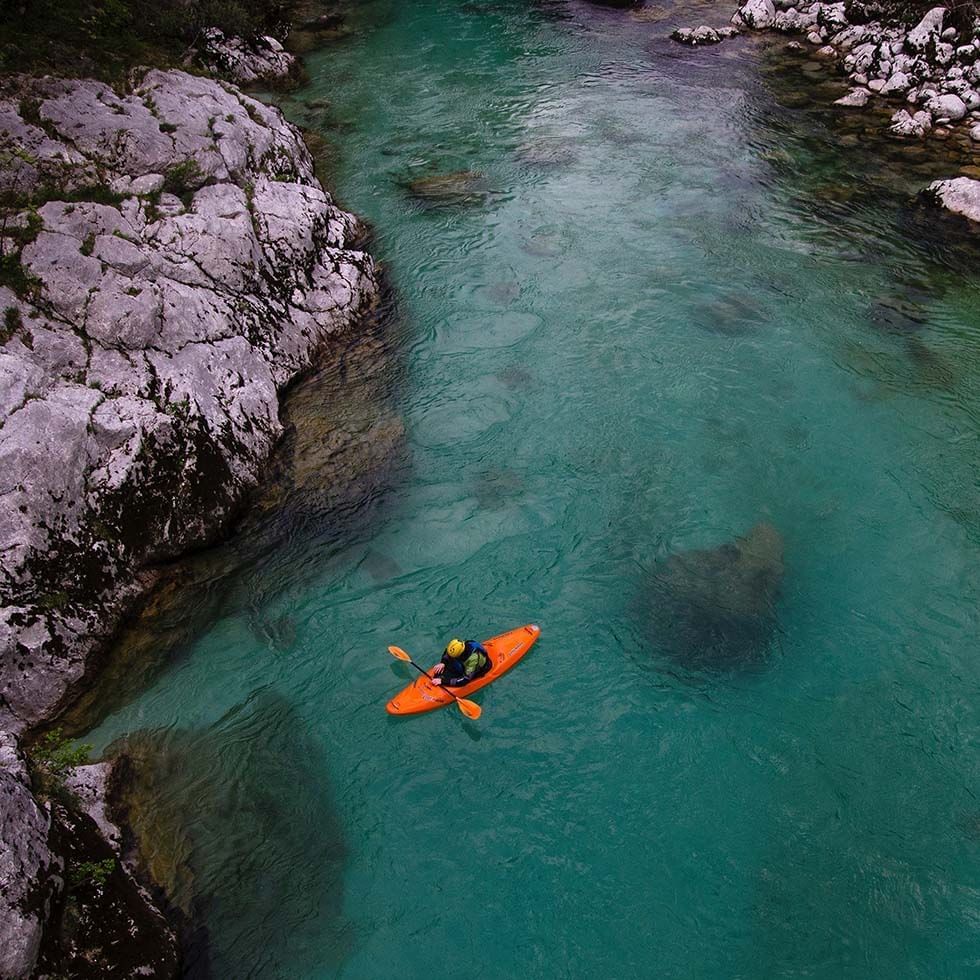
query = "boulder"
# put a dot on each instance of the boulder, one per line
(716, 607)
(905, 124)
(857, 98)
(245, 61)
(947, 106)
(960, 195)
(696, 35)
(199, 295)
(793, 21)
(757, 15)
(832, 17)
(898, 84)
(927, 32)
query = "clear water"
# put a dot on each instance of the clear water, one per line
(673, 332)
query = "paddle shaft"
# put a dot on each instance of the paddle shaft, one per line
(427, 674)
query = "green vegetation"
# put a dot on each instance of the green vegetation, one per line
(53, 758)
(12, 322)
(182, 178)
(94, 872)
(102, 38)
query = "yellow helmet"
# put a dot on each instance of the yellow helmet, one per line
(455, 648)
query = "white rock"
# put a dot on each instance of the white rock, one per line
(244, 61)
(949, 34)
(975, 133)
(905, 124)
(971, 99)
(947, 107)
(696, 36)
(898, 84)
(756, 14)
(927, 31)
(856, 98)
(961, 195)
(945, 53)
(876, 84)
(815, 37)
(832, 16)
(826, 52)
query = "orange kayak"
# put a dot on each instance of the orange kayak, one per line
(505, 650)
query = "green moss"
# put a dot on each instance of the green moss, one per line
(90, 872)
(88, 246)
(15, 277)
(166, 127)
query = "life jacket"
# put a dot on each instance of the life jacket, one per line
(455, 666)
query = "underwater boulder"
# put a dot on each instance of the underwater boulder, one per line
(715, 606)
(464, 187)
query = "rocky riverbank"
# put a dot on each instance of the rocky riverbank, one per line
(169, 264)
(927, 71)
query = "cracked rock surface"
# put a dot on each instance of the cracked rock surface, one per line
(141, 363)
(184, 265)
(28, 868)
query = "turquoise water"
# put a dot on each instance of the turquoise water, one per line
(681, 323)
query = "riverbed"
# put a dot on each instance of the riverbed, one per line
(668, 303)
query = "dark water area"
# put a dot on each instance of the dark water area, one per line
(683, 370)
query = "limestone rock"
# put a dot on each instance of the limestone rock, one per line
(898, 84)
(927, 32)
(947, 106)
(905, 124)
(199, 296)
(696, 35)
(857, 98)
(244, 61)
(757, 15)
(30, 874)
(960, 195)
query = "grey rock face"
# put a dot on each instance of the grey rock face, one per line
(29, 872)
(961, 196)
(140, 369)
(715, 607)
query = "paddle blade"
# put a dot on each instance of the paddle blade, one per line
(399, 653)
(469, 708)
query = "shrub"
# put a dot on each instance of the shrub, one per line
(182, 178)
(96, 872)
(53, 758)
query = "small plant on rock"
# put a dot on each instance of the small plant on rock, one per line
(53, 758)
(94, 872)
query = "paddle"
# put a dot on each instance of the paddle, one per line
(469, 708)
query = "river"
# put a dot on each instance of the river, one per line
(677, 302)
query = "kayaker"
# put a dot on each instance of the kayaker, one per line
(461, 663)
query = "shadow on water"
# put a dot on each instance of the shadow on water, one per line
(246, 801)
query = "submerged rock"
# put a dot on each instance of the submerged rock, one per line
(238, 810)
(464, 187)
(716, 607)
